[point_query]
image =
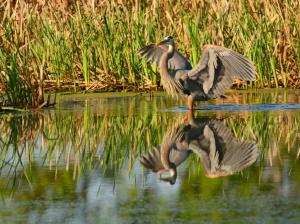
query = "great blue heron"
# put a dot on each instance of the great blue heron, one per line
(218, 68)
(220, 152)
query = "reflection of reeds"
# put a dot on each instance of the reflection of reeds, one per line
(272, 133)
(92, 137)
(76, 139)
(85, 140)
(94, 45)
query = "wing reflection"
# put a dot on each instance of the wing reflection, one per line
(220, 152)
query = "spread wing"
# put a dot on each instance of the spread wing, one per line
(221, 153)
(153, 54)
(152, 160)
(237, 155)
(218, 68)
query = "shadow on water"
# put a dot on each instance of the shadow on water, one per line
(80, 162)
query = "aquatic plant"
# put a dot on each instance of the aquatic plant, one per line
(21, 88)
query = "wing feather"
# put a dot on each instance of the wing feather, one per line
(218, 68)
(152, 160)
(236, 155)
(221, 152)
(153, 53)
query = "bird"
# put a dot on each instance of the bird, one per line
(216, 71)
(220, 152)
(165, 157)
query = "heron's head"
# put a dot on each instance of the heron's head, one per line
(167, 40)
(171, 179)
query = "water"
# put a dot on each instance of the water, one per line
(80, 162)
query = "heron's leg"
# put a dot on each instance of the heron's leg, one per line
(188, 117)
(190, 102)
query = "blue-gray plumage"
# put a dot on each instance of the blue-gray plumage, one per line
(219, 151)
(218, 68)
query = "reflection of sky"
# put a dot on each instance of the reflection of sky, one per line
(141, 196)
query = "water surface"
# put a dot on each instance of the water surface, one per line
(80, 162)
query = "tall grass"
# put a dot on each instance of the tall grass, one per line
(93, 44)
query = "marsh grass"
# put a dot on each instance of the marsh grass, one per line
(92, 45)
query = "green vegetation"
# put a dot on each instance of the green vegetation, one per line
(91, 46)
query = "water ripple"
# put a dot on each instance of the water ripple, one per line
(238, 107)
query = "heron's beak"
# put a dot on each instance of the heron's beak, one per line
(162, 42)
(170, 179)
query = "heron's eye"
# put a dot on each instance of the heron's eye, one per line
(168, 38)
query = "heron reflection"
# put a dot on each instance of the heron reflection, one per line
(220, 152)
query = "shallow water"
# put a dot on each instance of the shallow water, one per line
(80, 162)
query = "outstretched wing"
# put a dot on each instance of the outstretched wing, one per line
(152, 160)
(236, 155)
(218, 68)
(221, 153)
(153, 54)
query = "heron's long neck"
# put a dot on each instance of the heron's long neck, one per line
(163, 64)
(172, 86)
(165, 157)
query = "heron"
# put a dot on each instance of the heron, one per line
(220, 152)
(216, 71)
